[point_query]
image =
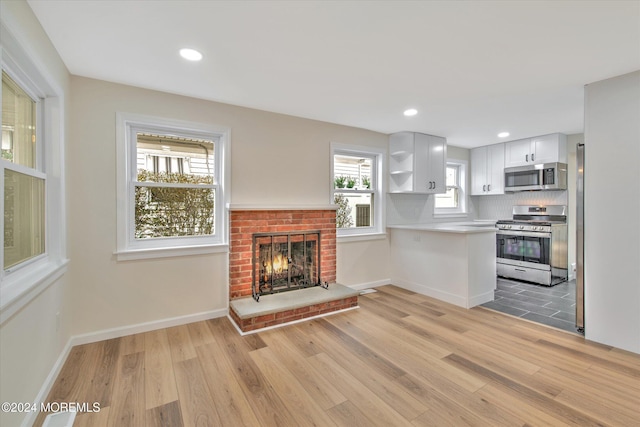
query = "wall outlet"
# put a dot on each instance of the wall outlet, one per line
(573, 267)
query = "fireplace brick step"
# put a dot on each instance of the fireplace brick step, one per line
(285, 307)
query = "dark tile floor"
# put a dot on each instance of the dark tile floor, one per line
(553, 306)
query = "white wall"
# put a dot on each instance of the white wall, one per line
(612, 211)
(32, 341)
(275, 160)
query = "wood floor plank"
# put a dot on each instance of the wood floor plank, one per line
(317, 386)
(305, 411)
(200, 333)
(167, 415)
(195, 398)
(532, 397)
(453, 404)
(413, 361)
(375, 409)
(128, 407)
(347, 414)
(267, 404)
(130, 344)
(182, 347)
(102, 381)
(401, 359)
(391, 392)
(520, 409)
(159, 379)
(93, 419)
(231, 403)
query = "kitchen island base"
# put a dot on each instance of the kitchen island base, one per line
(455, 266)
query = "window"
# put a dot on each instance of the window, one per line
(454, 200)
(172, 175)
(32, 182)
(357, 189)
(24, 182)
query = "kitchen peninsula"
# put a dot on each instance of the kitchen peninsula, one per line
(453, 262)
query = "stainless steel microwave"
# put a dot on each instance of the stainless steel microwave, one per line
(547, 176)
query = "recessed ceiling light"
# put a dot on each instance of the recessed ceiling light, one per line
(190, 54)
(503, 134)
(410, 112)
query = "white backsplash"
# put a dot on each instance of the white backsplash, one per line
(500, 207)
(418, 209)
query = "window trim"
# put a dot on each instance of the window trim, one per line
(378, 156)
(462, 209)
(127, 247)
(22, 283)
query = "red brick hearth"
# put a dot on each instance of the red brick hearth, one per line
(244, 223)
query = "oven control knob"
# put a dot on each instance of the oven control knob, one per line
(522, 227)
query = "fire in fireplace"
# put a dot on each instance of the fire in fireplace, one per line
(285, 261)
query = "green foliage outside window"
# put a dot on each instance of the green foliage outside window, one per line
(343, 213)
(173, 211)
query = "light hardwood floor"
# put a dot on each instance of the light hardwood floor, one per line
(401, 359)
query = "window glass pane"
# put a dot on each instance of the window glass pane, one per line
(18, 124)
(173, 212)
(452, 176)
(448, 199)
(352, 172)
(169, 159)
(354, 210)
(23, 217)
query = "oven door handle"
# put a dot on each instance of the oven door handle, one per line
(543, 235)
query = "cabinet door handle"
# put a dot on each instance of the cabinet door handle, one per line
(532, 157)
(526, 157)
(484, 187)
(489, 187)
(434, 185)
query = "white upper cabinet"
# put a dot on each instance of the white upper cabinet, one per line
(417, 163)
(541, 149)
(487, 170)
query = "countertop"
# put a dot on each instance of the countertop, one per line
(468, 227)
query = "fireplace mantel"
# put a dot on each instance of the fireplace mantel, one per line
(241, 207)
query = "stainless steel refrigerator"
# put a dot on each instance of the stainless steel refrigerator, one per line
(580, 238)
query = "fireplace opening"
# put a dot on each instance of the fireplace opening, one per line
(285, 262)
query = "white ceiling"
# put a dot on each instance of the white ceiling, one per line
(471, 68)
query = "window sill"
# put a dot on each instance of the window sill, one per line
(21, 291)
(360, 237)
(152, 253)
(451, 215)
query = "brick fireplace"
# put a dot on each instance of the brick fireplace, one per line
(247, 223)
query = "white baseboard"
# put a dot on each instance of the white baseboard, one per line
(48, 384)
(481, 298)
(430, 292)
(109, 334)
(361, 286)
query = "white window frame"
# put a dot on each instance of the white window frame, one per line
(23, 282)
(461, 210)
(378, 155)
(130, 248)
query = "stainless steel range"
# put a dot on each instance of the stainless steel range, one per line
(533, 245)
